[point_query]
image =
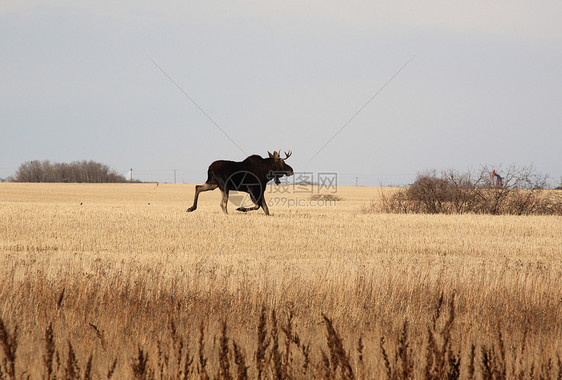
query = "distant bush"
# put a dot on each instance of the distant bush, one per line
(325, 197)
(521, 191)
(77, 171)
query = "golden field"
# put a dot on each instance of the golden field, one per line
(121, 271)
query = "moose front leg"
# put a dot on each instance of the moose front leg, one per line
(263, 204)
(224, 201)
(255, 194)
(246, 209)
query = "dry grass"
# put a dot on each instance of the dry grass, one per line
(118, 281)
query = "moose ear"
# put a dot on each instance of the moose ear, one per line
(270, 155)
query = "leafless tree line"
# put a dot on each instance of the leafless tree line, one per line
(76, 171)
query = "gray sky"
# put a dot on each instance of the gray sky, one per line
(484, 86)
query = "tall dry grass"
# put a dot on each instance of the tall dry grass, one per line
(117, 281)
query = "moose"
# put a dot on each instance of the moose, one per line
(250, 176)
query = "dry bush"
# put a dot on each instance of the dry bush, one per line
(521, 193)
(325, 197)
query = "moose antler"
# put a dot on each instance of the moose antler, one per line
(287, 155)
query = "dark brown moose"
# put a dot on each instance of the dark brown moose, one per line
(250, 176)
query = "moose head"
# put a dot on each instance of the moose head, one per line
(280, 168)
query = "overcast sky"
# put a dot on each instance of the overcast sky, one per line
(111, 81)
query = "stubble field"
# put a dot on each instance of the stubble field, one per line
(118, 281)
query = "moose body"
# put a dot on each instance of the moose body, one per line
(250, 176)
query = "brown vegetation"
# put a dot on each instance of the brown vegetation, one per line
(107, 281)
(521, 193)
(281, 354)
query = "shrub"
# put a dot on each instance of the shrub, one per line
(521, 192)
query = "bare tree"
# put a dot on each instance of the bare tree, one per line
(77, 171)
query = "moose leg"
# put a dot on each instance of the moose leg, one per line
(254, 196)
(198, 189)
(263, 204)
(246, 209)
(224, 201)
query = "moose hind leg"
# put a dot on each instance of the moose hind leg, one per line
(198, 189)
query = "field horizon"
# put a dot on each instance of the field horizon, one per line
(120, 271)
